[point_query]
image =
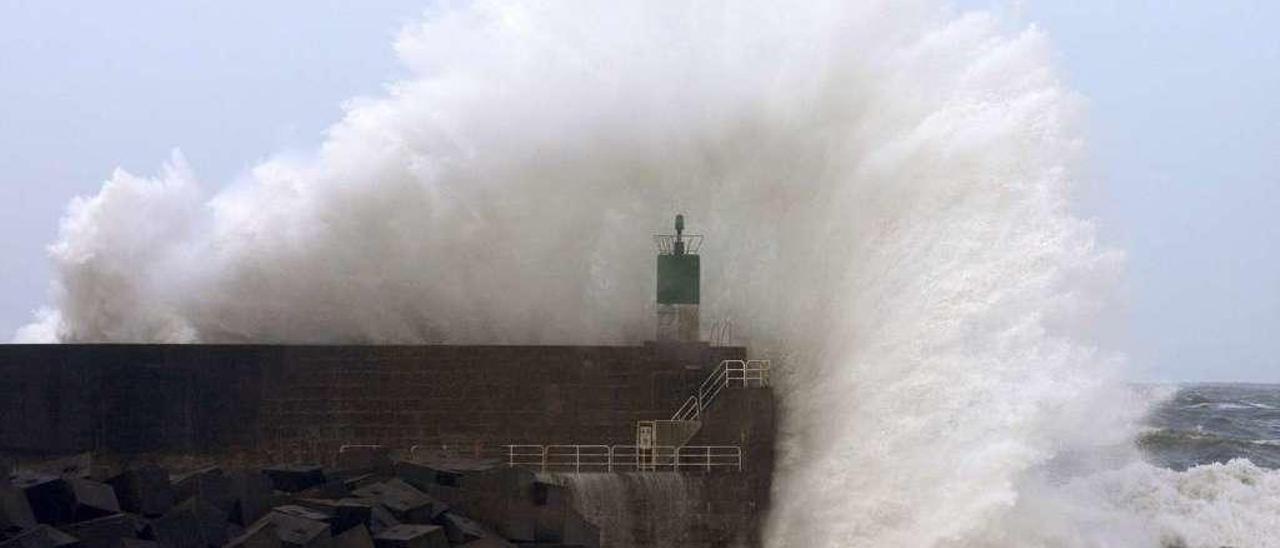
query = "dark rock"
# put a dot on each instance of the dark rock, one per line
(361, 480)
(303, 512)
(145, 490)
(195, 523)
(546, 545)
(92, 498)
(208, 484)
(407, 503)
(488, 542)
(41, 536)
(292, 478)
(502, 498)
(461, 529)
(15, 511)
(55, 500)
(103, 532)
(332, 489)
(136, 543)
(355, 537)
(299, 532)
(412, 536)
(344, 513)
(424, 478)
(381, 519)
(251, 491)
(262, 534)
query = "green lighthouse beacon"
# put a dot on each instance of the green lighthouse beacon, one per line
(679, 275)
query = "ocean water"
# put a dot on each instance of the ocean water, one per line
(1208, 423)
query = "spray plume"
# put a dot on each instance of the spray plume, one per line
(887, 191)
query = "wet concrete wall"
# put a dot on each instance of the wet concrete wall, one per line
(201, 398)
(246, 405)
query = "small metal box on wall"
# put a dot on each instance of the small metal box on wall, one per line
(679, 277)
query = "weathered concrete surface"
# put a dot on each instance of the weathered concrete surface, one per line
(286, 403)
(243, 406)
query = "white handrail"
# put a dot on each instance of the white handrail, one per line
(622, 458)
(689, 411)
(740, 373)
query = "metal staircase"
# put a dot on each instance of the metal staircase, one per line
(730, 373)
(684, 424)
(660, 444)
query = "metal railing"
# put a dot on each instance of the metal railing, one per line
(729, 373)
(470, 451)
(666, 243)
(721, 333)
(624, 458)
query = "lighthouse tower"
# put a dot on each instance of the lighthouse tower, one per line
(679, 274)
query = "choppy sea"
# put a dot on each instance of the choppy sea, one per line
(1205, 423)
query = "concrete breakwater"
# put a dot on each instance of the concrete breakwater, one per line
(247, 406)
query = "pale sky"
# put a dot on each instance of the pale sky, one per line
(1183, 132)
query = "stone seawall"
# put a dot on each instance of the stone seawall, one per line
(254, 405)
(201, 398)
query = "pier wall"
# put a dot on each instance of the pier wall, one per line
(208, 398)
(253, 405)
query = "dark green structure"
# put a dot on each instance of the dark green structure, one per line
(679, 285)
(678, 277)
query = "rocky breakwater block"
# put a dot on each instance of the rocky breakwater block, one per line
(557, 521)
(244, 496)
(422, 478)
(412, 536)
(103, 532)
(399, 506)
(406, 503)
(41, 536)
(145, 490)
(500, 497)
(494, 542)
(346, 513)
(15, 511)
(463, 531)
(210, 484)
(298, 529)
(251, 493)
(56, 500)
(355, 537)
(262, 534)
(195, 523)
(293, 478)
